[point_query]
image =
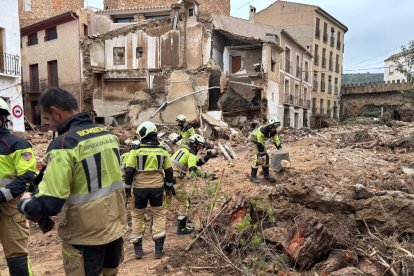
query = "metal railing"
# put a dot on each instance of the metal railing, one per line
(35, 87)
(9, 64)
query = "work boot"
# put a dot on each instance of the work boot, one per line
(19, 266)
(159, 248)
(138, 249)
(267, 175)
(253, 176)
(182, 228)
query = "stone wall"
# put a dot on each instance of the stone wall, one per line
(38, 10)
(376, 99)
(221, 7)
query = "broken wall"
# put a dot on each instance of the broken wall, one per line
(198, 44)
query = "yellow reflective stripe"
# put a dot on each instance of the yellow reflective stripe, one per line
(77, 199)
(5, 181)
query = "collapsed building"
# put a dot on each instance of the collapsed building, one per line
(178, 59)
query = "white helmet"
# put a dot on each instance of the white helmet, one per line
(4, 106)
(135, 143)
(273, 121)
(181, 118)
(146, 128)
(197, 139)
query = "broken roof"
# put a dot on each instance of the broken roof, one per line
(255, 31)
(50, 22)
(137, 9)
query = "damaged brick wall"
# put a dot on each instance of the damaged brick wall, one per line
(220, 7)
(32, 11)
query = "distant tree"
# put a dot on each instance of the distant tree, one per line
(405, 63)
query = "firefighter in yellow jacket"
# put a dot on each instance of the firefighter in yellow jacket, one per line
(17, 168)
(83, 183)
(148, 163)
(186, 130)
(186, 160)
(260, 156)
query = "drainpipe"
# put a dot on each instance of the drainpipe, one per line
(80, 63)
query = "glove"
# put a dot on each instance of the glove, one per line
(207, 156)
(175, 141)
(169, 189)
(128, 192)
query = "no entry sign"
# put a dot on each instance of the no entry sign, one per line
(17, 111)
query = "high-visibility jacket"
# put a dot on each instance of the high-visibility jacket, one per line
(185, 133)
(186, 159)
(261, 134)
(83, 182)
(17, 167)
(148, 162)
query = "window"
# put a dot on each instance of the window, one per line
(332, 37)
(330, 84)
(338, 41)
(32, 39)
(191, 12)
(337, 64)
(139, 51)
(322, 81)
(123, 19)
(51, 34)
(287, 60)
(315, 81)
(391, 70)
(52, 71)
(336, 86)
(328, 107)
(85, 30)
(287, 92)
(27, 5)
(325, 32)
(273, 65)
(330, 61)
(306, 71)
(298, 71)
(317, 28)
(34, 77)
(321, 110)
(323, 57)
(305, 97)
(119, 55)
(316, 54)
(314, 105)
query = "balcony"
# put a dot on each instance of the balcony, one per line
(286, 98)
(324, 62)
(35, 87)
(9, 64)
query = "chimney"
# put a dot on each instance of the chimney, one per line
(252, 12)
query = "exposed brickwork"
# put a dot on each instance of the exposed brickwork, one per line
(43, 9)
(221, 7)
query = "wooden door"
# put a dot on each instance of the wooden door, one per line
(235, 64)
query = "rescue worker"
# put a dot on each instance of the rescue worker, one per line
(260, 156)
(185, 160)
(186, 130)
(148, 163)
(124, 157)
(17, 168)
(83, 183)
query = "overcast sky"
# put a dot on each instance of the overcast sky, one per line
(376, 28)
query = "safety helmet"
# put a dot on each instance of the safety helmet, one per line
(4, 106)
(135, 143)
(146, 128)
(197, 139)
(181, 118)
(273, 121)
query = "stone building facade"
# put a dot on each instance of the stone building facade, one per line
(32, 11)
(220, 7)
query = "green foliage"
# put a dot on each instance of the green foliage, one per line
(405, 64)
(244, 223)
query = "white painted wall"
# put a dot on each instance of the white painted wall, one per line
(10, 87)
(272, 95)
(391, 73)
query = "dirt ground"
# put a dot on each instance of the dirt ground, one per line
(325, 167)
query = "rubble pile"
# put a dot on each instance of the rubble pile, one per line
(338, 209)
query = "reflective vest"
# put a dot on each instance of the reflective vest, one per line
(261, 134)
(186, 133)
(83, 168)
